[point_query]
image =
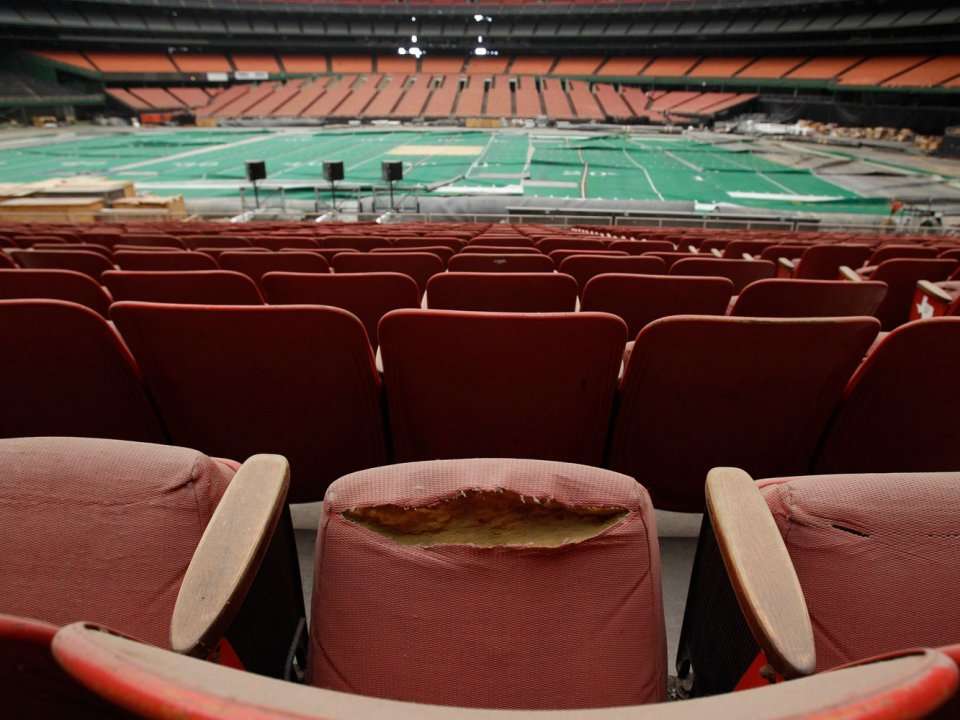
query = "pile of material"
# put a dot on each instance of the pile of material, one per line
(926, 143)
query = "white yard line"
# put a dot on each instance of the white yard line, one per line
(192, 153)
(645, 172)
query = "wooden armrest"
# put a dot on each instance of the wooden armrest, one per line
(229, 554)
(761, 572)
(787, 263)
(748, 256)
(693, 249)
(716, 253)
(847, 273)
(935, 291)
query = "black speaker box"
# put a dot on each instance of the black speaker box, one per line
(392, 171)
(333, 171)
(256, 170)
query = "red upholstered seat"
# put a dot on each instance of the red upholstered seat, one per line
(441, 251)
(791, 251)
(420, 266)
(501, 263)
(469, 384)
(735, 249)
(503, 292)
(548, 245)
(6, 261)
(54, 285)
(201, 287)
(500, 240)
(740, 272)
(150, 260)
(213, 241)
(641, 299)
(369, 296)
(901, 277)
(808, 298)
(639, 247)
(823, 262)
(499, 250)
(67, 372)
(558, 256)
(102, 530)
(255, 265)
(585, 267)
(672, 258)
(81, 261)
(294, 380)
(701, 392)
(876, 557)
(522, 625)
(87, 247)
(897, 412)
(892, 252)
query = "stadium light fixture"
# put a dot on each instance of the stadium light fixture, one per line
(478, 18)
(480, 51)
(479, 38)
(401, 51)
(413, 39)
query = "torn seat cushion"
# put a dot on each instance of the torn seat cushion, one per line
(102, 530)
(489, 583)
(876, 556)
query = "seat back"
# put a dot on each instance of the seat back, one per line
(641, 299)
(255, 264)
(369, 296)
(822, 262)
(639, 247)
(789, 251)
(891, 252)
(548, 245)
(427, 590)
(441, 251)
(470, 384)
(420, 266)
(81, 261)
(809, 298)
(701, 392)
(854, 537)
(736, 248)
(70, 375)
(499, 250)
(585, 267)
(64, 285)
(102, 530)
(740, 272)
(901, 277)
(268, 380)
(201, 287)
(509, 263)
(671, 258)
(151, 260)
(503, 292)
(501, 240)
(88, 247)
(897, 412)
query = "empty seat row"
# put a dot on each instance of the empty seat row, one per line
(775, 396)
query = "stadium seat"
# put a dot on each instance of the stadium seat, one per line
(216, 252)
(896, 412)
(369, 296)
(558, 256)
(641, 299)
(672, 258)
(498, 250)
(901, 276)
(6, 261)
(935, 299)
(500, 240)
(327, 253)
(160, 542)
(363, 244)
(471, 384)
(701, 392)
(71, 375)
(144, 242)
(276, 242)
(891, 252)
(89, 247)
(64, 285)
(502, 292)
(850, 539)
(170, 261)
(639, 247)
(823, 262)
(548, 245)
(200, 287)
(255, 265)
(585, 267)
(740, 272)
(194, 242)
(441, 251)
(88, 263)
(509, 263)
(736, 249)
(420, 266)
(297, 381)
(808, 298)
(790, 251)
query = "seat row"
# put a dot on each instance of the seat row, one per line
(774, 396)
(477, 583)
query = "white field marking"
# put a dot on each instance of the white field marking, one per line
(584, 168)
(761, 174)
(645, 172)
(481, 156)
(680, 160)
(438, 150)
(782, 196)
(192, 153)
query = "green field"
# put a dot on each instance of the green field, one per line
(210, 163)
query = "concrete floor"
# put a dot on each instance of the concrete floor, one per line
(678, 544)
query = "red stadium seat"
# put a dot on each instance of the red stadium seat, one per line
(89, 247)
(500, 241)
(896, 412)
(502, 292)
(499, 250)
(641, 299)
(891, 252)
(420, 266)
(71, 375)
(585, 267)
(467, 384)
(81, 261)
(216, 252)
(255, 265)
(276, 242)
(639, 247)
(6, 261)
(199, 287)
(736, 249)
(558, 256)
(740, 272)
(790, 251)
(935, 299)
(145, 242)
(701, 392)
(509, 263)
(808, 298)
(823, 262)
(64, 285)
(194, 242)
(548, 245)
(441, 251)
(672, 258)
(369, 296)
(266, 378)
(157, 261)
(901, 277)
